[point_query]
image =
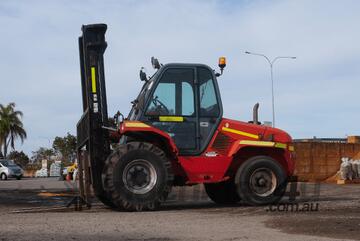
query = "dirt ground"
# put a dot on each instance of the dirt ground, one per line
(32, 209)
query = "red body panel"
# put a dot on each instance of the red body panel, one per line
(137, 126)
(230, 137)
(202, 169)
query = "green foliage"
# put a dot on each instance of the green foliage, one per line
(11, 127)
(20, 158)
(66, 147)
(33, 166)
(41, 154)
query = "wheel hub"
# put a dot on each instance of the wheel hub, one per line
(139, 176)
(263, 182)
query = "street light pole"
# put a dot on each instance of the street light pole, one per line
(272, 94)
(271, 63)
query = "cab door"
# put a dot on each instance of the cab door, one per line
(210, 107)
(171, 108)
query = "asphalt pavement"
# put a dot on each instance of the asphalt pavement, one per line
(33, 209)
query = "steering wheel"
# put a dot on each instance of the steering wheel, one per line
(159, 105)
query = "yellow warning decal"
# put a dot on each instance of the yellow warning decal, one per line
(171, 118)
(242, 133)
(264, 143)
(93, 80)
(291, 148)
(257, 143)
(280, 145)
(136, 124)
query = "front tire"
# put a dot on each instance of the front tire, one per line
(137, 176)
(223, 193)
(260, 181)
(3, 177)
(106, 199)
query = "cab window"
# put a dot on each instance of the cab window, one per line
(174, 95)
(208, 101)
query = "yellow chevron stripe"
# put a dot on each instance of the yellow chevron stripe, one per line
(264, 143)
(280, 145)
(242, 133)
(136, 124)
(257, 143)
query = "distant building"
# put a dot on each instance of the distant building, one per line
(349, 139)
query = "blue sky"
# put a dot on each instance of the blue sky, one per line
(315, 95)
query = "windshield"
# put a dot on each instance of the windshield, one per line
(8, 163)
(139, 102)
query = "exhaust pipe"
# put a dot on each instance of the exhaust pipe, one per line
(256, 114)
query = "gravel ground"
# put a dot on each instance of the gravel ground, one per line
(188, 215)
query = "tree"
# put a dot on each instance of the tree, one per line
(41, 154)
(20, 158)
(66, 147)
(11, 127)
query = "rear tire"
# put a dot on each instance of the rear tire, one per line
(260, 181)
(137, 176)
(222, 192)
(3, 177)
(18, 177)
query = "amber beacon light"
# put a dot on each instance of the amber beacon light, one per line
(222, 62)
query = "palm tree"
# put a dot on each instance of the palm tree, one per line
(11, 127)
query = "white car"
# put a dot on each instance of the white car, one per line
(9, 169)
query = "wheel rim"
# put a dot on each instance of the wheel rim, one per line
(263, 182)
(139, 176)
(2, 176)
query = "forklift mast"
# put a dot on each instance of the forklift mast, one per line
(91, 136)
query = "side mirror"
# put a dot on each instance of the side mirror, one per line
(143, 74)
(155, 63)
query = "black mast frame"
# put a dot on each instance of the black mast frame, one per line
(92, 138)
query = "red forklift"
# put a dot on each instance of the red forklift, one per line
(174, 135)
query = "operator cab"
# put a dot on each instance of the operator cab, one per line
(184, 101)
